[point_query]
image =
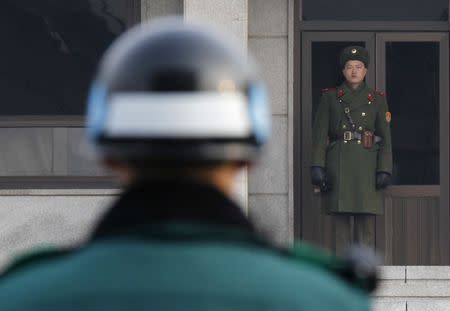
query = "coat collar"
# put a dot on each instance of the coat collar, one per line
(353, 98)
(147, 206)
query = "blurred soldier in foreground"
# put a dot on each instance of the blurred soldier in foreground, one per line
(177, 113)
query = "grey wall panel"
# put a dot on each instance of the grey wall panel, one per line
(389, 306)
(270, 175)
(230, 16)
(267, 17)
(34, 221)
(270, 214)
(272, 57)
(60, 149)
(154, 8)
(429, 305)
(81, 157)
(25, 151)
(269, 179)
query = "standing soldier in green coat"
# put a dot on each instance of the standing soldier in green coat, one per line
(352, 156)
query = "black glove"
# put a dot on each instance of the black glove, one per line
(383, 180)
(319, 178)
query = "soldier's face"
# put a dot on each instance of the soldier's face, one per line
(354, 72)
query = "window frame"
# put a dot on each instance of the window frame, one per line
(369, 25)
(56, 123)
(444, 142)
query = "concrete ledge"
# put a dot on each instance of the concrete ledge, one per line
(415, 281)
(59, 192)
(428, 272)
(418, 288)
(392, 272)
(40, 220)
(389, 305)
(428, 305)
(413, 288)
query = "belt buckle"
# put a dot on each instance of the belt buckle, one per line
(348, 135)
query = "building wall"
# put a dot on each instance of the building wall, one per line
(270, 181)
(33, 218)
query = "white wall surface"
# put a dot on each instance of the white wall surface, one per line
(31, 219)
(151, 8)
(270, 181)
(229, 15)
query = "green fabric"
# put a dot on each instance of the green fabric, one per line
(350, 167)
(143, 274)
(32, 256)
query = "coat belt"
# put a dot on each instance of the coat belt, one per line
(349, 135)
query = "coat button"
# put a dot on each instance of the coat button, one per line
(363, 114)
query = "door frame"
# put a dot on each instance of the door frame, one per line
(305, 112)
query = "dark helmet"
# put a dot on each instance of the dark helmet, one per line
(171, 91)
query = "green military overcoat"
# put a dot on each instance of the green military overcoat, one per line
(350, 167)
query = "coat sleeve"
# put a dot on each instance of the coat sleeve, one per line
(320, 132)
(383, 129)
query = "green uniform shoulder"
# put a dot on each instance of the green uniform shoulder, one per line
(374, 94)
(32, 257)
(377, 94)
